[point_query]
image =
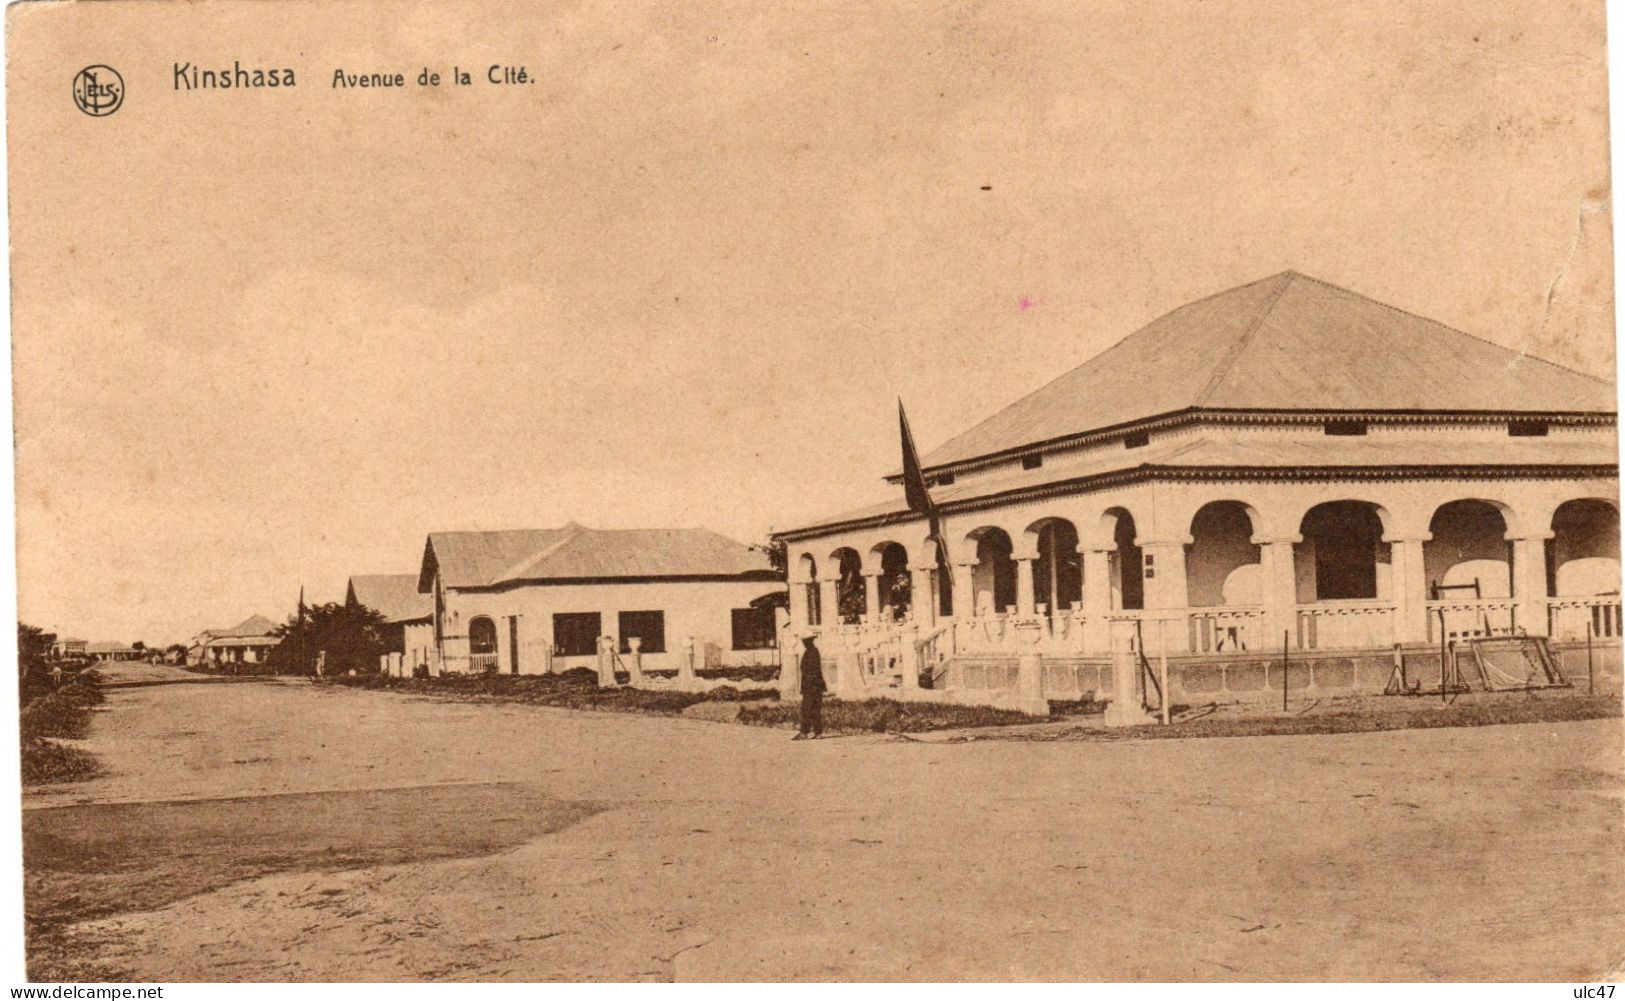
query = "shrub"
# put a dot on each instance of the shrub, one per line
(63, 713)
(45, 761)
(888, 716)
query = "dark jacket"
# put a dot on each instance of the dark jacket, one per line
(812, 672)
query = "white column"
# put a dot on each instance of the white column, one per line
(829, 608)
(871, 593)
(1097, 598)
(965, 590)
(1026, 566)
(924, 598)
(1410, 588)
(800, 616)
(1164, 561)
(1278, 589)
(1529, 584)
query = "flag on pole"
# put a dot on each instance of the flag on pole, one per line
(919, 498)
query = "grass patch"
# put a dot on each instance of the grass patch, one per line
(573, 689)
(769, 672)
(63, 714)
(47, 761)
(1372, 715)
(887, 716)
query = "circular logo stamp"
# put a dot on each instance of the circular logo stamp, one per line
(98, 90)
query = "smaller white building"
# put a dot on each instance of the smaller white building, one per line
(533, 601)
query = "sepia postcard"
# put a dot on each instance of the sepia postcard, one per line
(780, 492)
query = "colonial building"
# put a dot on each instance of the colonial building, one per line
(111, 650)
(408, 617)
(537, 600)
(248, 642)
(66, 648)
(1287, 467)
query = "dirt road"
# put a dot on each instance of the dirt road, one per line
(279, 831)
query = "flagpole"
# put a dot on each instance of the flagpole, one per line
(919, 499)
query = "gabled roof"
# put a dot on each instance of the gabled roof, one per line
(107, 646)
(253, 626)
(486, 559)
(394, 596)
(1288, 342)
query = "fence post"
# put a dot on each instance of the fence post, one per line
(685, 662)
(606, 663)
(911, 658)
(634, 660)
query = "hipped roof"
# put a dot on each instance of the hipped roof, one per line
(1287, 342)
(487, 559)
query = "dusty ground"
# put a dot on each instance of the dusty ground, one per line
(230, 839)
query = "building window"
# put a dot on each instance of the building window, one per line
(1031, 461)
(1345, 429)
(482, 644)
(1138, 439)
(1527, 429)
(575, 634)
(650, 627)
(753, 628)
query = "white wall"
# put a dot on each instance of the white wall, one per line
(702, 609)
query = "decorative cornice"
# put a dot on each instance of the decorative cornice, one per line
(1234, 417)
(1279, 474)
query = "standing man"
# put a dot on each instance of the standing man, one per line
(812, 692)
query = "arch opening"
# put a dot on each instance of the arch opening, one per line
(1127, 562)
(993, 581)
(851, 590)
(1221, 562)
(1468, 555)
(1342, 556)
(895, 583)
(809, 585)
(1058, 571)
(482, 644)
(1582, 557)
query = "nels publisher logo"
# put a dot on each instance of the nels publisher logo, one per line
(98, 90)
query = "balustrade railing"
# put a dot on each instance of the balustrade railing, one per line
(1226, 630)
(1346, 625)
(1567, 618)
(482, 663)
(1470, 618)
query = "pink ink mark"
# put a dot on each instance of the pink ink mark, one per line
(1025, 304)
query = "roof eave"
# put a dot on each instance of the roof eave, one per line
(1174, 418)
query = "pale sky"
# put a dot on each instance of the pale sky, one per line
(265, 339)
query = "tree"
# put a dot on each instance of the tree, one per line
(352, 636)
(33, 651)
(778, 558)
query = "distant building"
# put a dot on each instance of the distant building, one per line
(64, 648)
(537, 600)
(248, 642)
(408, 615)
(111, 651)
